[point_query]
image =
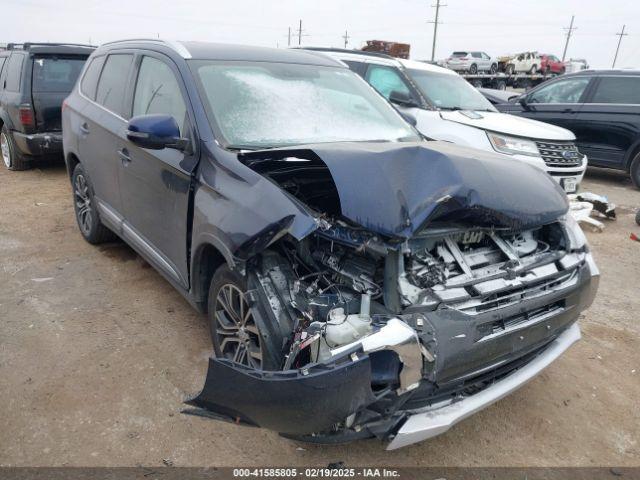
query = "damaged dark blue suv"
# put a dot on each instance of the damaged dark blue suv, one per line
(359, 281)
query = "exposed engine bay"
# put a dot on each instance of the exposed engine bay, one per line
(390, 325)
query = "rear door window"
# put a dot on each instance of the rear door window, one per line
(89, 82)
(385, 80)
(14, 72)
(158, 91)
(617, 90)
(113, 82)
(56, 74)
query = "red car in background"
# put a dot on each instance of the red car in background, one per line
(551, 64)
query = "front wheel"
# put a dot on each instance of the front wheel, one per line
(493, 69)
(510, 69)
(84, 205)
(235, 332)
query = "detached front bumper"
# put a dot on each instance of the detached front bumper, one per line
(37, 144)
(432, 422)
(334, 401)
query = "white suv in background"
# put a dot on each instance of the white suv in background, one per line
(446, 107)
(472, 62)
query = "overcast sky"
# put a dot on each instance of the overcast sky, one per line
(495, 26)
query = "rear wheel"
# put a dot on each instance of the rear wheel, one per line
(235, 332)
(84, 205)
(473, 69)
(11, 157)
(635, 171)
(494, 68)
(510, 69)
(501, 85)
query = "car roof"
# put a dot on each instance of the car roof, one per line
(51, 48)
(607, 72)
(380, 59)
(231, 52)
(429, 67)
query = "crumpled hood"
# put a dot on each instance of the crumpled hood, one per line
(396, 189)
(510, 125)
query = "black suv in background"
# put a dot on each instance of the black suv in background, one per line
(34, 80)
(602, 109)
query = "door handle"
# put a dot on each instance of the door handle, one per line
(124, 156)
(84, 128)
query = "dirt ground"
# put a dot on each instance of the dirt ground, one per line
(97, 353)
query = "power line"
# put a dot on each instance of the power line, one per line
(621, 34)
(569, 32)
(435, 28)
(346, 38)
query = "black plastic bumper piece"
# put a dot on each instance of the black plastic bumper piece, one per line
(294, 402)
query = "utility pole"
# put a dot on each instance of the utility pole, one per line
(346, 38)
(621, 34)
(300, 33)
(289, 38)
(435, 27)
(569, 32)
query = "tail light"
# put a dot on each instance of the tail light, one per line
(25, 113)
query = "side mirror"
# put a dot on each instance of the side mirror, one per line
(155, 132)
(402, 98)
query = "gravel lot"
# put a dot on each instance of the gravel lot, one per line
(97, 353)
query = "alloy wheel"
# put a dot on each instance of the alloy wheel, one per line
(6, 150)
(235, 327)
(84, 209)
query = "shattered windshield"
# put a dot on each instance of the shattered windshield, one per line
(261, 105)
(449, 92)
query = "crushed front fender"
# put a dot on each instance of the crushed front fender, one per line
(293, 402)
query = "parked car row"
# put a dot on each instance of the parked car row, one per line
(359, 279)
(474, 62)
(446, 107)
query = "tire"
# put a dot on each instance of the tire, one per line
(11, 156)
(547, 70)
(235, 333)
(493, 69)
(533, 69)
(473, 69)
(477, 83)
(563, 71)
(634, 170)
(84, 206)
(638, 217)
(501, 85)
(510, 69)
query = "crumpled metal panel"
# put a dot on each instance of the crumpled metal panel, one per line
(399, 188)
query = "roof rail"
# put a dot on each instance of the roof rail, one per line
(28, 45)
(175, 46)
(346, 50)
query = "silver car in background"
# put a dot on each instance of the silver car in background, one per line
(472, 62)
